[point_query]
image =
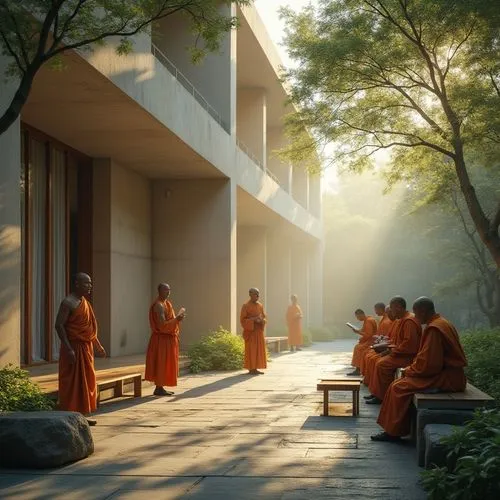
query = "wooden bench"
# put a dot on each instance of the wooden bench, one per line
(341, 384)
(470, 399)
(118, 383)
(277, 344)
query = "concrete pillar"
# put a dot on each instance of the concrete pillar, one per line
(252, 262)
(300, 276)
(300, 185)
(315, 195)
(233, 51)
(276, 141)
(279, 284)
(251, 122)
(194, 250)
(10, 233)
(315, 285)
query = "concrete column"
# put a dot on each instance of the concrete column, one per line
(233, 51)
(251, 122)
(194, 250)
(315, 195)
(252, 262)
(10, 233)
(315, 285)
(300, 185)
(279, 286)
(300, 276)
(276, 141)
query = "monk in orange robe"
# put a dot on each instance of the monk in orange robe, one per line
(253, 321)
(76, 326)
(438, 367)
(400, 354)
(162, 357)
(294, 323)
(367, 333)
(382, 329)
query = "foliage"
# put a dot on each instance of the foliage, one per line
(19, 393)
(221, 350)
(35, 32)
(417, 78)
(482, 348)
(473, 470)
(307, 339)
(327, 334)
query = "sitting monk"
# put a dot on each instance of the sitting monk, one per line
(398, 355)
(366, 332)
(380, 346)
(438, 367)
(382, 334)
(77, 328)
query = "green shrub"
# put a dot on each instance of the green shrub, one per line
(473, 470)
(220, 350)
(482, 348)
(306, 338)
(19, 393)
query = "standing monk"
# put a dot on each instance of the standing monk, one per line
(294, 323)
(77, 328)
(162, 357)
(253, 320)
(438, 367)
(367, 332)
(401, 353)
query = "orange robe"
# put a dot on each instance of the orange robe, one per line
(372, 357)
(439, 364)
(369, 330)
(382, 329)
(294, 322)
(253, 334)
(77, 381)
(162, 357)
(407, 340)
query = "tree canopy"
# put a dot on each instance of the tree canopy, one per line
(36, 32)
(420, 79)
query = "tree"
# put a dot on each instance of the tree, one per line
(415, 77)
(37, 32)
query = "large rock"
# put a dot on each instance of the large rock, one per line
(426, 417)
(435, 452)
(43, 439)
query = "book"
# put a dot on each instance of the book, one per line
(350, 325)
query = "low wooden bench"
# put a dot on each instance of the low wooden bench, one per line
(277, 344)
(118, 383)
(340, 384)
(470, 399)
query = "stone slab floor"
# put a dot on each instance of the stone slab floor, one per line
(230, 436)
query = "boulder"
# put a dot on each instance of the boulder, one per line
(435, 452)
(43, 439)
(426, 417)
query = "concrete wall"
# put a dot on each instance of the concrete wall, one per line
(10, 233)
(300, 186)
(316, 256)
(194, 250)
(122, 257)
(315, 195)
(276, 140)
(212, 76)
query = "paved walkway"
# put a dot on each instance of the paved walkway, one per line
(230, 436)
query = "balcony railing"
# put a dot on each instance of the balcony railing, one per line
(181, 78)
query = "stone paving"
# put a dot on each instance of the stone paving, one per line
(231, 436)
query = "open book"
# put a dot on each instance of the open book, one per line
(350, 325)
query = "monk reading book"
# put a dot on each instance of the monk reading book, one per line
(162, 357)
(253, 321)
(366, 333)
(76, 326)
(438, 366)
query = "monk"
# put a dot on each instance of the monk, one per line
(381, 336)
(366, 332)
(294, 323)
(76, 326)
(253, 321)
(438, 367)
(398, 355)
(383, 339)
(162, 357)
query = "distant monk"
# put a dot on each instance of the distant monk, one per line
(438, 367)
(382, 330)
(77, 328)
(294, 323)
(367, 332)
(162, 357)
(401, 353)
(253, 320)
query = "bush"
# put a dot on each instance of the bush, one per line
(306, 338)
(473, 470)
(220, 350)
(19, 393)
(482, 348)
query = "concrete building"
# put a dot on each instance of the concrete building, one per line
(146, 168)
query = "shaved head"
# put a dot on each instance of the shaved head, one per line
(398, 306)
(424, 309)
(254, 294)
(164, 290)
(379, 308)
(82, 284)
